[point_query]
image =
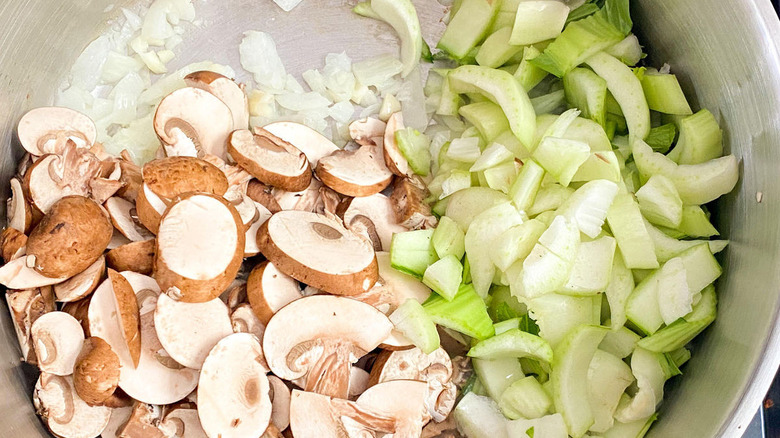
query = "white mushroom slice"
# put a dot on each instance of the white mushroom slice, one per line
(188, 331)
(367, 131)
(149, 208)
(243, 204)
(18, 211)
(26, 306)
(227, 90)
(55, 176)
(306, 200)
(320, 337)
(313, 144)
(19, 274)
(125, 218)
(403, 400)
(318, 251)
(268, 290)
(81, 285)
(119, 417)
(244, 320)
(355, 173)
(66, 415)
(318, 416)
(158, 379)
(235, 403)
(42, 130)
(378, 210)
(183, 423)
(394, 159)
(280, 402)
(191, 122)
(57, 338)
(358, 382)
(271, 160)
(200, 247)
(250, 247)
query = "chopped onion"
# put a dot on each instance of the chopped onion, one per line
(259, 57)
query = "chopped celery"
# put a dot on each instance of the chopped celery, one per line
(569, 377)
(456, 181)
(479, 239)
(618, 14)
(497, 374)
(588, 206)
(468, 27)
(550, 102)
(546, 217)
(503, 305)
(695, 223)
(620, 342)
(608, 378)
(592, 267)
(700, 140)
(628, 51)
(627, 91)
(549, 426)
(448, 239)
(561, 157)
(701, 267)
(501, 88)
(660, 203)
(588, 92)
(527, 74)
(525, 399)
(411, 252)
(526, 186)
(479, 417)
(625, 221)
(509, 141)
(414, 323)
(364, 9)
(531, 366)
(497, 49)
(416, 148)
(677, 334)
(538, 20)
(550, 197)
(667, 247)
(513, 343)
(675, 299)
(506, 325)
(661, 137)
(516, 243)
(402, 16)
(642, 306)
(467, 204)
(450, 102)
(466, 313)
(680, 356)
(500, 176)
(444, 276)
(664, 94)
(620, 286)
(584, 10)
(487, 117)
(634, 429)
(578, 42)
(600, 165)
(649, 370)
(581, 129)
(558, 314)
(465, 150)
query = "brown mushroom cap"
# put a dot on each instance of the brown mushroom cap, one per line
(411, 210)
(200, 247)
(39, 128)
(191, 121)
(188, 331)
(70, 237)
(13, 244)
(65, 413)
(173, 176)
(394, 159)
(96, 373)
(270, 159)
(127, 314)
(57, 338)
(318, 251)
(124, 216)
(134, 256)
(234, 403)
(149, 208)
(269, 289)
(26, 306)
(378, 210)
(143, 422)
(280, 401)
(313, 144)
(403, 400)
(355, 173)
(318, 416)
(79, 310)
(18, 211)
(83, 284)
(263, 195)
(227, 90)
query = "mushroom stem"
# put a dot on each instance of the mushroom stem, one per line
(330, 374)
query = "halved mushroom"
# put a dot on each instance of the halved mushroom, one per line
(270, 159)
(106, 182)
(280, 402)
(250, 248)
(394, 159)
(119, 417)
(306, 200)
(320, 337)
(149, 208)
(19, 274)
(158, 379)
(26, 307)
(318, 416)
(244, 320)
(263, 194)
(143, 422)
(358, 382)
(182, 422)
(227, 90)
(125, 218)
(12, 242)
(191, 122)
(236, 176)
(268, 290)
(117, 239)
(234, 403)
(83, 284)
(19, 214)
(44, 130)
(127, 313)
(64, 412)
(96, 372)
(411, 210)
(200, 247)
(56, 176)
(57, 338)
(188, 331)
(318, 251)
(367, 131)
(70, 238)
(130, 177)
(355, 173)
(134, 256)
(378, 211)
(313, 144)
(79, 310)
(403, 400)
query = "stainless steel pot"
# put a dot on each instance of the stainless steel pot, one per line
(726, 52)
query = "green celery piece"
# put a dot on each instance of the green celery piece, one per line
(503, 305)
(661, 137)
(527, 74)
(509, 141)
(497, 50)
(700, 139)
(526, 185)
(580, 129)
(680, 356)
(634, 429)
(695, 223)
(479, 417)
(450, 102)
(600, 165)
(487, 117)
(660, 203)
(664, 94)
(444, 276)
(625, 221)
(402, 17)
(506, 325)
(679, 333)
(549, 197)
(448, 239)
(534, 367)
(467, 204)
(516, 243)
(497, 374)
(416, 148)
(556, 314)
(584, 10)
(620, 343)
(468, 26)
(617, 12)
(628, 51)
(608, 378)
(513, 343)
(591, 271)
(364, 9)
(586, 91)
(619, 288)
(466, 313)
(667, 247)
(561, 157)
(500, 176)
(651, 371)
(411, 252)
(537, 21)
(549, 103)
(525, 398)
(414, 323)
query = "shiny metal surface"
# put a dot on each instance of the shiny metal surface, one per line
(725, 51)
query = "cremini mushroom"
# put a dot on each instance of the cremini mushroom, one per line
(250, 246)
(13, 243)
(149, 208)
(79, 310)
(313, 144)
(182, 422)
(26, 307)
(45, 130)
(107, 181)
(82, 284)
(19, 274)
(57, 338)
(361, 172)
(358, 382)
(263, 194)
(96, 372)
(318, 251)
(320, 337)
(64, 412)
(117, 240)
(125, 218)
(227, 90)
(411, 210)
(306, 200)
(367, 131)
(234, 403)
(119, 417)
(403, 400)
(374, 212)
(244, 320)
(280, 402)
(19, 214)
(318, 416)
(269, 289)
(53, 177)
(188, 331)
(394, 159)
(143, 422)
(134, 256)
(130, 177)
(192, 122)
(127, 313)
(270, 159)
(200, 247)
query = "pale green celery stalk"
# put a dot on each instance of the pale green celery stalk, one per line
(548, 198)
(364, 10)
(680, 356)
(402, 17)
(506, 325)
(526, 186)
(579, 128)
(537, 21)
(650, 371)
(619, 288)
(448, 239)
(617, 12)
(456, 181)
(549, 103)
(503, 305)
(513, 343)
(450, 102)
(556, 314)
(444, 276)
(467, 204)
(497, 374)
(634, 429)
(527, 74)
(487, 117)
(516, 243)
(411, 252)
(584, 10)
(500, 176)
(662, 137)
(466, 313)
(660, 203)
(700, 139)
(479, 417)
(590, 274)
(561, 157)
(668, 247)
(695, 223)
(628, 51)
(465, 150)
(525, 398)
(625, 221)
(679, 333)
(586, 91)
(416, 148)
(664, 94)
(509, 141)
(620, 342)
(600, 165)
(588, 206)
(468, 26)
(497, 50)
(414, 323)
(608, 378)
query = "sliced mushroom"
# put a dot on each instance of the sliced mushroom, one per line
(134, 256)
(150, 208)
(64, 412)
(270, 159)
(236, 176)
(411, 210)
(127, 313)
(119, 417)
(244, 320)
(183, 422)
(117, 240)
(394, 159)
(368, 131)
(306, 200)
(355, 173)
(125, 218)
(71, 237)
(83, 284)
(378, 210)
(358, 382)
(263, 195)
(392, 289)
(313, 144)
(12, 242)
(280, 402)
(235, 295)
(269, 289)
(57, 338)
(403, 400)
(96, 372)
(173, 176)
(101, 189)
(319, 416)
(26, 307)
(251, 248)
(19, 214)
(191, 122)
(320, 337)
(446, 429)
(79, 310)
(44, 130)
(200, 247)
(332, 203)
(19, 274)
(188, 331)
(143, 422)
(55, 176)
(130, 178)
(226, 90)
(272, 432)
(158, 379)
(235, 403)
(318, 251)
